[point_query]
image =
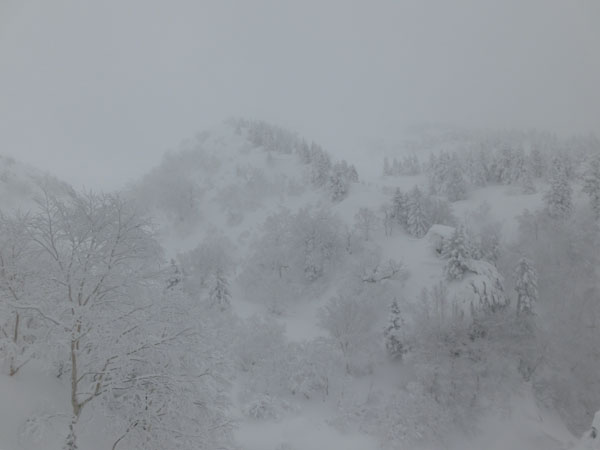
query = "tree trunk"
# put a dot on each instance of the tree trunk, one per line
(74, 403)
(13, 367)
(71, 442)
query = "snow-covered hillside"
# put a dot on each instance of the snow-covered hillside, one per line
(226, 179)
(330, 308)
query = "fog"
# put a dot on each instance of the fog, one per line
(95, 92)
(379, 226)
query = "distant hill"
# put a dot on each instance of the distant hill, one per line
(237, 174)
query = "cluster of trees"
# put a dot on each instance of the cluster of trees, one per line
(467, 362)
(295, 253)
(558, 199)
(250, 190)
(270, 137)
(556, 253)
(352, 318)
(456, 250)
(453, 365)
(457, 357)
(336, 177)
(509, 158)
(173, 188)
(409, 165)
(465, 245)
(545, 333)
(591, 183)
(273, 371)
(473, 339)
(446, 176)
(564, 250)
(415, 212)
(396, 342)
(177, 187)
(205, 271)
(453, 174)
(342, 175)
(82, 289)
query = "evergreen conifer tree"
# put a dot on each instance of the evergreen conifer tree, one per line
(456, 250)
(558, 198)
(320, 166)
(399, 207)
(503, 164)
(526, 180)
(352, 174)
(338, 182)
(393, 334)
(518, 166)
(526, 287)
(219, 294)
(475, 170)
(591, 184)
(455, 186)
(416, 221)
(537, 162)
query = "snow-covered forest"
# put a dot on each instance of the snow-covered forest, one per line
(253, 292)
(299, 225)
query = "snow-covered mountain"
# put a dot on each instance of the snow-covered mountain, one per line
(234, 176)
(352, 309)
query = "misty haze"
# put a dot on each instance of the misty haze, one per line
(299, 225)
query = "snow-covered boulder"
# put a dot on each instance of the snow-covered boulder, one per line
(436, 236)
(482, 287)
(591, 439)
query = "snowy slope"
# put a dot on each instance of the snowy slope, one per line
(308, 428)
(34, 413)
(232, 187)
(523, 427)
(228, 186)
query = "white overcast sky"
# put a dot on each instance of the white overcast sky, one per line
(96, 91)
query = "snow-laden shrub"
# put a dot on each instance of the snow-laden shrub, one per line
(483, 233)
(351, 318)
(279, 369)
(214, 255)
(172, 188)
(464, 364)
(250, 189)
(315, 370)
(264, 408)
(259, 339)
(394, 333)
(296, 254)
(400, 419)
